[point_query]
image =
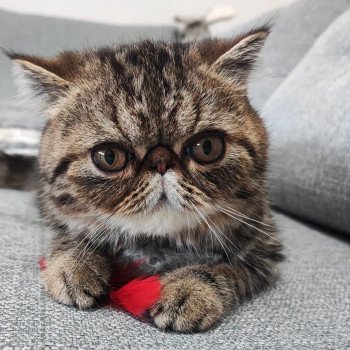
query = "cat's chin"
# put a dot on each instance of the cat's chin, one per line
(162, 214)
(162, 221)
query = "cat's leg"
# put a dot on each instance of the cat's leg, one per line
(76, 274)
(195, 298)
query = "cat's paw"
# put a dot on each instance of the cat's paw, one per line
(76, 283)
(189, 303)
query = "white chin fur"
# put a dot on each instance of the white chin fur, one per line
(164, 220)
(158, 220)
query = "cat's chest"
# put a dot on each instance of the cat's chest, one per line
(150, 260)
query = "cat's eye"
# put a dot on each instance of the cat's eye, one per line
(110, 158)
(207, 148)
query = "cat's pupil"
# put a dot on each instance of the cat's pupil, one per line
(109, 156)
(207, 147)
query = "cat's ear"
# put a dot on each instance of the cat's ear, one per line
(45, 77)
(234, 58)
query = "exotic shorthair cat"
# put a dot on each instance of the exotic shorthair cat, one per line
(154, 145)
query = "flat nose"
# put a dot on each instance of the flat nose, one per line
(160, 159)
(162, 166)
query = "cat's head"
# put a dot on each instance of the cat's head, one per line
(149, 137)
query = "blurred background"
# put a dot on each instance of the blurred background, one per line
(44, 27)
(139, 12)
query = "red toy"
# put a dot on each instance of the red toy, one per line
(134, 296)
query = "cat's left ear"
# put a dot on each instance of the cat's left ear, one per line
(45, 77)
(234, 58)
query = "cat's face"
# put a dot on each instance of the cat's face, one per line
(149, 138)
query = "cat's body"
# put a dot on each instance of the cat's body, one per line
(156, 143)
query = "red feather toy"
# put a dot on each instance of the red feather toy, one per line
(135, 286)
(135, 295)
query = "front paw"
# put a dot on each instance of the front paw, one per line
(189, 303)
(78, 283)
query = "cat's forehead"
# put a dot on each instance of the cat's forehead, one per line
(146, 67)
(149, 94)
(151, 84)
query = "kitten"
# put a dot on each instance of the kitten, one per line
(155, 144)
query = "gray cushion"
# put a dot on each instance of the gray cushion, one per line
(308, 117)
(308, 309)
(296, 28)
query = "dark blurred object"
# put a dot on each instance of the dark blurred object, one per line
(18, 172)
(194, 28)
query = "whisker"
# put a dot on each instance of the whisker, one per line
(215, 234)
(79, 262)
(235, 211)
(200, 224)
(258, 229)
(91, 241)
(216, 226)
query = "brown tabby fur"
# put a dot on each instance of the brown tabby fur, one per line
(152, 98)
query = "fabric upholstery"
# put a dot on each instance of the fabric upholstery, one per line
(308, 118)
(308, 309)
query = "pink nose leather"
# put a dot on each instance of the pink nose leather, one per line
(160, 159)
(162, 166)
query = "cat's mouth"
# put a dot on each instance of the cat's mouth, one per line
(163, 199)
(165, 195)
(162, 202)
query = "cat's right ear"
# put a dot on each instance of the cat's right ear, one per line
(233, 59)
(45, 77)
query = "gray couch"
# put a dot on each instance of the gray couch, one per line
(308, 114)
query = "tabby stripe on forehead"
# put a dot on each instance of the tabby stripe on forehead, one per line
(116, 120)
(107, 55)
(125, 80)
(134, 58)
(174, 110)
(62, 167)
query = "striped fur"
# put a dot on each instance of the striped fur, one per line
(144, 96)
